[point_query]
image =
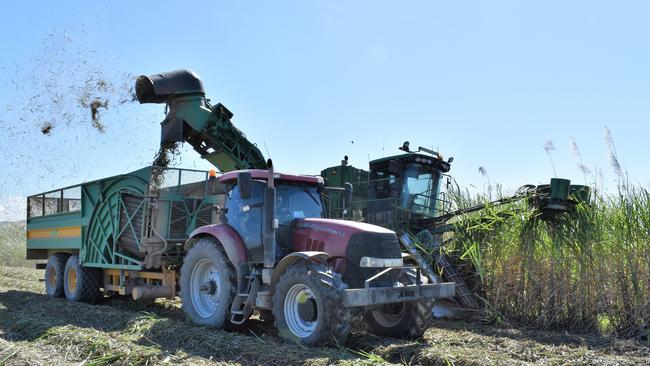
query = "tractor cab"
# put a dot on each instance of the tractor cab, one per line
(296, 197)
(409, 182)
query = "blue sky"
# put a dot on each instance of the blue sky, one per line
(486, 82)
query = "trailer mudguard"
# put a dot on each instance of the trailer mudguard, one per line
(229, 239)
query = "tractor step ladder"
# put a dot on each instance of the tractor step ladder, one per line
(242, 305)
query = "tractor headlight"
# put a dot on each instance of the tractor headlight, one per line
(370, 262)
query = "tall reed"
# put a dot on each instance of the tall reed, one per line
(585, 271)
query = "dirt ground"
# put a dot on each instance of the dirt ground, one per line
(36, 330)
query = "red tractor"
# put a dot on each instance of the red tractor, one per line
(272, 250)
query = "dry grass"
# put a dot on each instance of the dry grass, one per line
(36, 330)
(12, 244)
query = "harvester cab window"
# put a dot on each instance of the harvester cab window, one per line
(387, 185)
(421, 189)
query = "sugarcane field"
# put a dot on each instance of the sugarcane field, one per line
(325, 183)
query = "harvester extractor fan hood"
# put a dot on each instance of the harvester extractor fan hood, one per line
(159, 88)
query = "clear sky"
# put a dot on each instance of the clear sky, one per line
(488, 82)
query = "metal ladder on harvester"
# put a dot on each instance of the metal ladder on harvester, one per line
(242, 304)
(432, 244)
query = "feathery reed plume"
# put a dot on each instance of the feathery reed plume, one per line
(549, 146)
(485, 175)
(612, 155)
(575, 151)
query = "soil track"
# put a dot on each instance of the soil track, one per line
(36, 330)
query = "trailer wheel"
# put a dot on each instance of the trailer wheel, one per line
(54, 270)
(207, 284)
(401, 320)
(81, 283)
(308, 306)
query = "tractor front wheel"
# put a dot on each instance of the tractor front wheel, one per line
(207, 284)
(308, 306)
(401, 320)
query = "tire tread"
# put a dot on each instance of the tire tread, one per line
(337, 318)
(57, 260)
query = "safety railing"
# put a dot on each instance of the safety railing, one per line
(59, 201)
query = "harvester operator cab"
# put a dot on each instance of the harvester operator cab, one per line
(409, 181)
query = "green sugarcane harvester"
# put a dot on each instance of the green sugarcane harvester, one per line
(403, 193)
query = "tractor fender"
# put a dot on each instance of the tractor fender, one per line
(232, 244)
(292, 258)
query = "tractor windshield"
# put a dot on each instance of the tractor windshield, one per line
(297, 202)
(420, 189)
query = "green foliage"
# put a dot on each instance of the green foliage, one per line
(12, 244)
(571, 271)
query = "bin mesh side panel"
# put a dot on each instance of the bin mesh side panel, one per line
(128, 241)
(178, 223)
(204, 216)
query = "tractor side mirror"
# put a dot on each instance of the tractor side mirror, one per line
(348, 197)
(393, 167)
(244, 182)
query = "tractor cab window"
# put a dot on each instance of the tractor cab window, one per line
(245, 216)
(420, 190)
(297, 202)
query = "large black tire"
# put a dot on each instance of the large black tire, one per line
(322, 308)
(54, 270)
(402, 320)
(206, 264)
(81, 283)
(407, 320)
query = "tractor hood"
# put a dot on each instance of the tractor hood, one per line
(338, 228)
(346, 242)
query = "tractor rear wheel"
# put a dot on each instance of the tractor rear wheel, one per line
(54, 270)
(401, 320)
(308, 306)
(207, 284)
(81, 283)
